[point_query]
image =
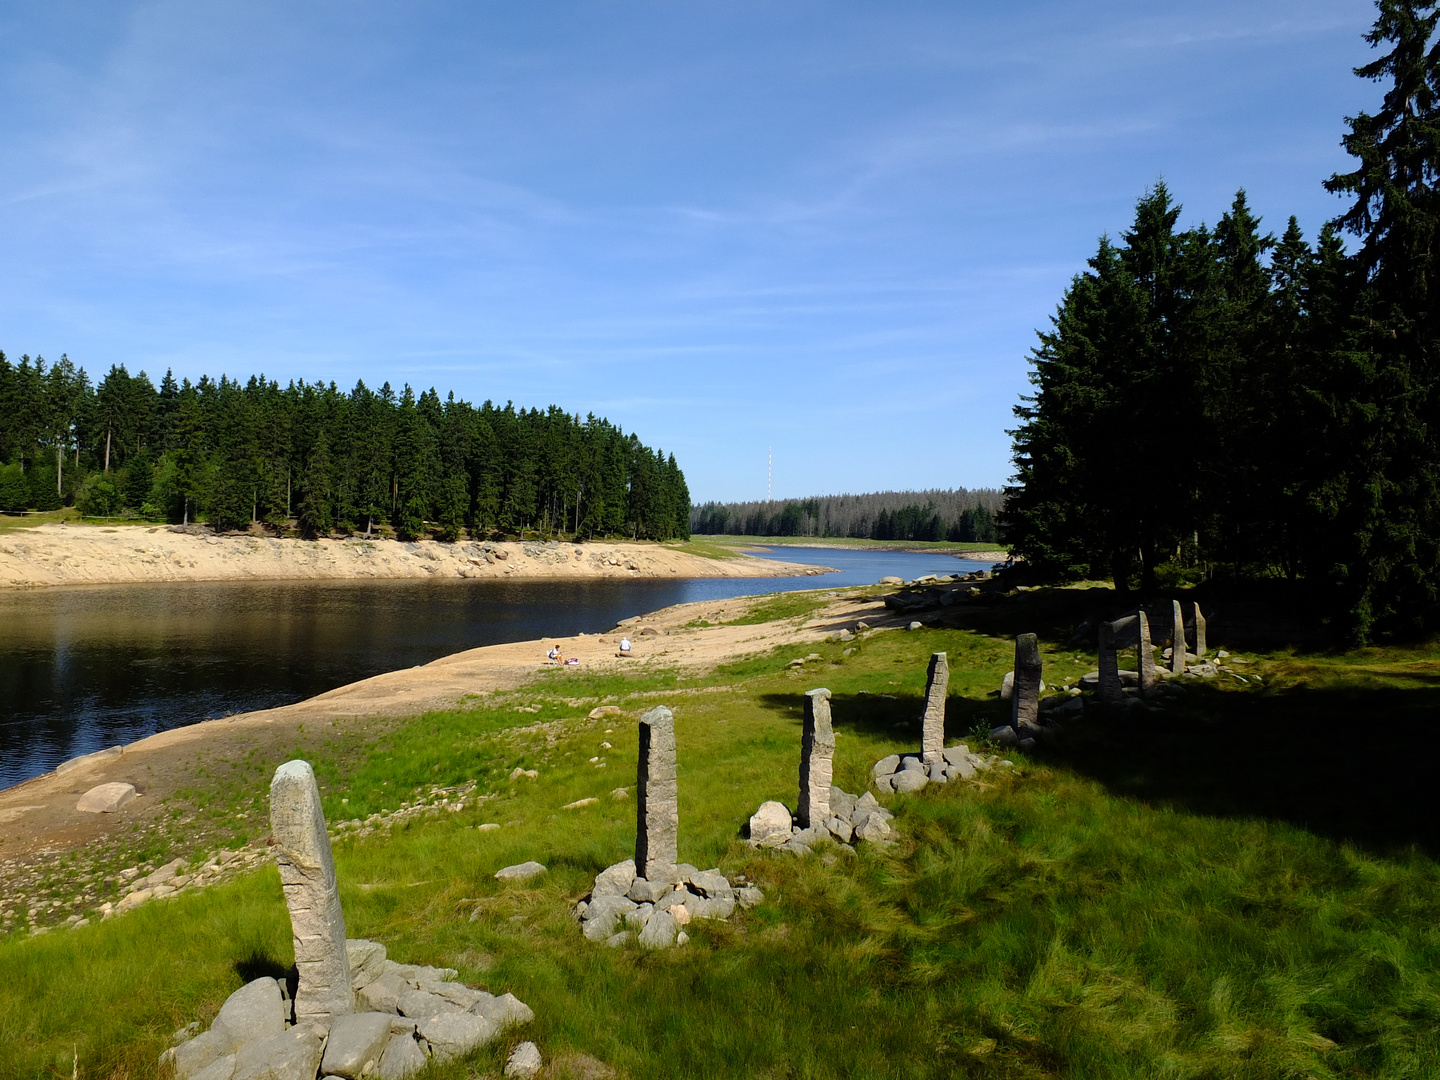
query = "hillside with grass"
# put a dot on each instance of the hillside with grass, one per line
(1234, 887)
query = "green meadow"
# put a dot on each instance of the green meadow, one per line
(1241, 886)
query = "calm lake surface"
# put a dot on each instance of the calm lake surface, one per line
(88, 667)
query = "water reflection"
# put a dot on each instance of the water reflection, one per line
(88, 667)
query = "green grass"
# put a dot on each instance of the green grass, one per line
(726, 541)
(1162, 897)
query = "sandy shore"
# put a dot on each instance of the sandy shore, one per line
(95, 555)
(38, 818)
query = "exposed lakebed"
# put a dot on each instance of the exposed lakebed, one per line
(88, 667)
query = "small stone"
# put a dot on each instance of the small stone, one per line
(578, 803)
(748, 896)
(603, 711)
(620, 793)
(647, 892)
(913, 626)
(367, 961)
(106, 798)
(520, 871)
(886, 765)
(525, 1061)
(874, 829)
(489, 826)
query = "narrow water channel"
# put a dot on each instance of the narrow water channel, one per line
(83, 668)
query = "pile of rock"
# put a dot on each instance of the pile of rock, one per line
(936, 590)
(901, 773)
(848, 820)
(654, 893)
(410, 1016)
(655, 911)
(407, 1015)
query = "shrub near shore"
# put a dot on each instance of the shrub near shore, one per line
(1091, 914)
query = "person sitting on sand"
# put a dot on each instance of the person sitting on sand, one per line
(624, 646)
(554, 654)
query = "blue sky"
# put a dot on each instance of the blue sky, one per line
(828, 227)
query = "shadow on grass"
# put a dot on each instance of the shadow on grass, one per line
(1354, 764)
(894, 715)
(260, 966)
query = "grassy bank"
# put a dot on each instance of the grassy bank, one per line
(1241, 887)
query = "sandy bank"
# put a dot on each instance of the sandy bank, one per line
(95, 555)
(38, 818)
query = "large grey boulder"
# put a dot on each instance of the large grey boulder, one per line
(615, 880)
(220, 1069)
(909, 780)
(421, 1005)
(520, 872)
(106, 798)
(402, 1058)
(202, 1051)
(291, 1055)
(647, 892)
(453, 1035)
(713, 883)
(255, 1011)
(367, 961)
(874, 829)
(603, 914)
(886, 765)
(383, 994)
(356, 1044)
(770, 825)
(660, 931)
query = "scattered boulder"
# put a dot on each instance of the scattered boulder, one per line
(520, 872)
(665, 905)
(525, 1061)
(106, 798)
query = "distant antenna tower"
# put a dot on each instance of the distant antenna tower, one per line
(769, 469)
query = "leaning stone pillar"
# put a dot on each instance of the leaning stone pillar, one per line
(937, 685)
(657, 804)
(307, 874)
(817, 760)
(1199, 634)
(1145, 656)
(1110, 691)
(1025, 695)
(1177, 643)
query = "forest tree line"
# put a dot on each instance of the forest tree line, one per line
(324, 459)
(1226, 402)
(958, 515)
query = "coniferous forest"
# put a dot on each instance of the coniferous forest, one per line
(1228, 403)
(325, 460)
(958, 515)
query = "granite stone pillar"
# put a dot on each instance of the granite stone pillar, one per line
(1110, 691)
(817, 760)
(1025, 696)
(1145, 655)
(657, 798)
(937, 684)
(1199, 634)
(1177, 642)
(307, 874)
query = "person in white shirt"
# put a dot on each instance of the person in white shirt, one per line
(624, 646)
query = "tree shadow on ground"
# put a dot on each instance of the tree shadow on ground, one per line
(894, 716)
(1356, 764)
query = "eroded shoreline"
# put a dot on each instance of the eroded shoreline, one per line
(55, 555)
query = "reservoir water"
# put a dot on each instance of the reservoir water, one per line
(87, 667)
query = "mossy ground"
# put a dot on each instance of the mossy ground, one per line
(1243, 886)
